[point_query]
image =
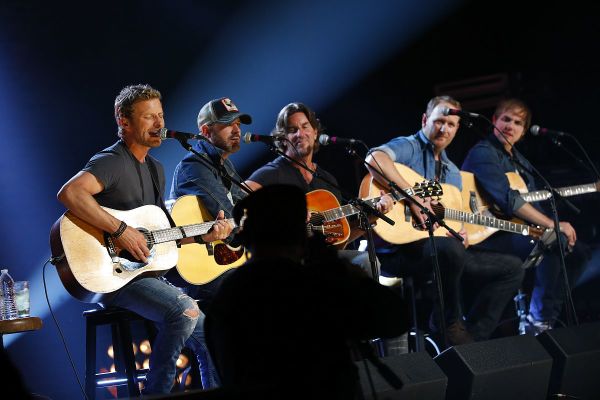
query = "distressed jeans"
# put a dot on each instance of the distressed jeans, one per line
(179, 322)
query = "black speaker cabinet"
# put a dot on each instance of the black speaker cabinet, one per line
(576, 354)
(419, 374)
(516, 367)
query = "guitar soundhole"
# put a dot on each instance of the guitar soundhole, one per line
(128, 262)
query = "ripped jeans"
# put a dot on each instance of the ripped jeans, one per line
(179, 322)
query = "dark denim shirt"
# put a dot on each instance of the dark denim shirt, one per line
(489, 162)
(191, 176)
(416, 152)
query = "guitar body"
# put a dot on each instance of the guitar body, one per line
(403, 231)
(88, 271)
(196, 265)
(516, 182)
(337, 231)
(475, 203)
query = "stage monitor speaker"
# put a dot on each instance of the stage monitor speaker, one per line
(516, 367)
(576, 354)
(419, 374)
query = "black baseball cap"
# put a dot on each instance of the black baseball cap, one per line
(223, 111)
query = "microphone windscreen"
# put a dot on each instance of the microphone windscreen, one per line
(535, 130)
(324, 139)
(247, 137)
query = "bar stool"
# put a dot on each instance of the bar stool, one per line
(126, 373)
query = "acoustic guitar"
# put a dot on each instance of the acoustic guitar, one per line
(201, 263)
(478, 204)
(448, 207)
(330, 219)
(91, 266)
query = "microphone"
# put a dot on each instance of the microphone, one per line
(537, 131)
(326, 140)
(169, 134)
(453, 111)
(268, 139)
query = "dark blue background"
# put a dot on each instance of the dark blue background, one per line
(368, 69)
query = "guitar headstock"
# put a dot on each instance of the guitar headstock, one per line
(428, 188)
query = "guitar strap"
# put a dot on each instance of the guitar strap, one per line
(157, 191)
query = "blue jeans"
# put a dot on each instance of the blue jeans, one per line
(492, 279)
(414, 259)
(179, 321)
(547, 296)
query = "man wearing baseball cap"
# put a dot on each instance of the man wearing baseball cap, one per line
(219, 122)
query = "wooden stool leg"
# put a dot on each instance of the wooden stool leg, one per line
(129, 357)
(90, 359)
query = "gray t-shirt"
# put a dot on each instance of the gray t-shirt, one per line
(127, 182)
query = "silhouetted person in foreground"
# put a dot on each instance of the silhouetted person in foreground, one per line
(281, 325)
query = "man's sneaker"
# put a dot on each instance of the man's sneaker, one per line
(536, 327)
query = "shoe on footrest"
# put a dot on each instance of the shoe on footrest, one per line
(536, 327)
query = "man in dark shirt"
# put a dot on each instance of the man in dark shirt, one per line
(490, 160)
(300, 128)
(124, 176)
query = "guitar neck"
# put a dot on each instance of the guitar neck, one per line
(180, 232)
(349, 209)
(568, 191)
(490, 222)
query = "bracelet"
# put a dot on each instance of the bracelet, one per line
(119, 231)
(198, 239)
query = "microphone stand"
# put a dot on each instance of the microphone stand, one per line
(570, 306)
(431, 220)
(590, 168)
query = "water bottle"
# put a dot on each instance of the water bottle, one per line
(9, 307)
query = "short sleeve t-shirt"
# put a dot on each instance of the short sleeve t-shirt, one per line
(127, 182)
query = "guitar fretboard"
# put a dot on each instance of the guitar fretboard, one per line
(345, 211)
(541, 195)
(479, 219)
(170, 234)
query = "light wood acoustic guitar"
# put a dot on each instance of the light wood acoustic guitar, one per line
(89, 264)
(478, 204)
(201, 263)
(449, 207)
(330, 219)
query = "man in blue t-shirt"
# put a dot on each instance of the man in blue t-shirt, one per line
(497, 275)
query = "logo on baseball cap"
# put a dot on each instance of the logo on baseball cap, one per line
(223, 111)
